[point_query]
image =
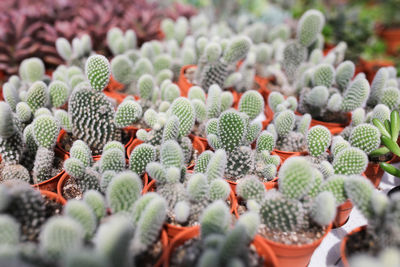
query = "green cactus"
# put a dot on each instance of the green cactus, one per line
(215, 219)
(10, 230)
(31, 70)
(63, 120)
(216, 165)
(251, 103)
(184, 110)
(203, 161)
(112, 160)
(336, 185)
(250, 187)
(45, 130)
(285, 122)
(10, 95)
(355, 95)
(82, 213)
(122, 69)
(37, 95)
(219, 189)
(113, 240)
(324, 75)
(293, 55)
(23, 112)
(295, 177)
(231, 130)
(360, 191)
(309, 26)
(98, 71)
(58, 92)
(274, 99)
(95, 200)
(128, 113)
(10, 138)
(344, 73)
(265, 142)
(318, 140)
(365, 137)
(140, 157)
(350, 161)
(59, 236)
(182, 211)
(390, 97)
(323, 210)
(381, 112)
(318, 96)
(123, 190)
(81, 151)
(377, 86)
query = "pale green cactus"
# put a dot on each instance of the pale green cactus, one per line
(98, 71)
(128, 113)
(323, 75)
(184, 110)
(37, 96)
(365, 137)
(284, 122)
(250, 187)
(31, 70)
(82, 213)
(251, 103)
(140, 157)
(344, 73)
(356, 94)
(309, 26)
(381, 112)
(350, 161)
(318, 140)
(122, 69)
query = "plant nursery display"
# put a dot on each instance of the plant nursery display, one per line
(151, 133)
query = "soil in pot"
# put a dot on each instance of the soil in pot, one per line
(308, 236)
(361, 242)
(70, 189)
(65, 141)
(52, 206)
(151, 255)
(187, 254)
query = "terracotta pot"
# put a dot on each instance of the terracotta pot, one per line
(344, 243)
(130, 130)
(334, 128)
(284, 155)
(342, 214)
(50, 184)
(372, 66)
(53, 196)
(65, 177)
(295, 255)
(173, 230)
(183, 83)
(164, 242)
(327, 48)
(201, 139)
(114, 85)
(262, 249)
(391, 36)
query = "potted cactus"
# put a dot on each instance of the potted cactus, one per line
(91, 115)
(187, 194)
(288, 129)
(300, 207)
(82, 173)
(193, 247)
(233, 132)
(381, 213)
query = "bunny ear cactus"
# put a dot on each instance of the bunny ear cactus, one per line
(98, 72)
(82, 213)
(251, 103)
(355, 95)
(318, 140)
(215, 219)
(250, 187)
(344, 73)
(183, 109)
(31, 70)
(112, 160)
(122, 69)
(323, 210)
(231, 130)
(377, 86)
(37, 95)
(265, 142)
(365, 137)
(10, 230)
(10, 137)
(309, 26)
(128, 112)
(140, 157)
(285, 122)
(350, 161)
(324, 75)
(59, 92)
(123, 191)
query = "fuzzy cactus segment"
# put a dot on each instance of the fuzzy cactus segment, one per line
(122, 69)
(31, 69)
(128, 112)
(350, 161)
(92, 118)
(265, 142)
(149, 225)
(82, 213)
(171, 154)
(295, 177)
(355, 95)
(215, 219)
(10, 230)
(140, 157)
(45, 130)
(344, 73)
(216, 165)
(37, 96)
(112, 160)
(202, 161)
(231, 130)
(59, 92)
(250, 187)
(323, 210)
(43, 167)
(309, 26)
(378, 84)
(285, 122)
(365, 137)
(251, 103)
(123, 191)
(10, 95)
(324, 75)
(360, 191)
(98, 71)
(197, 187)
(95, 200)
(23, 112)
(113, 240)
(293, 55)
(184, 110)
(280, 213)
(335, 185)
(60, 235)
(318, 140)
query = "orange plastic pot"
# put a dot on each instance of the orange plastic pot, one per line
(236, 98)
(119, 97)
(269, 116)
(183, 83)
(284, 155)
(130, 130)
(391, 36)
(344, 243)
(114, 85)
(371, 67)
(334, 128)
(201, 139)
(164, 242)
(295, 255)
(53, 196)
(342, 214)
(50, 184)
(262, 249)
(374, 173)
